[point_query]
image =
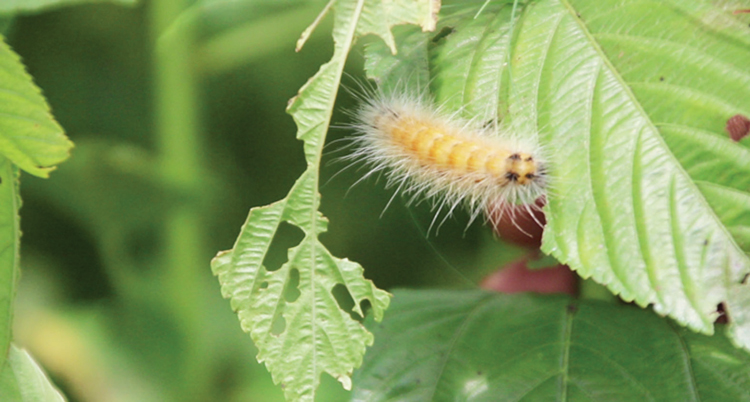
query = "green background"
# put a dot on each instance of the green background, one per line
(95, 306)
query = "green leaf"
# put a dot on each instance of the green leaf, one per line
(633, 97)
(34, 6)
(648, 195)
(29, 135)
(10, 235)
(301, 331)
(22, 380)
(478, 346)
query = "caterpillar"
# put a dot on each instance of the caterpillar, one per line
(428, 152)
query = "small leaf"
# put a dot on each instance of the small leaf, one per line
(29, 135)
(22, 380)
(479, 346)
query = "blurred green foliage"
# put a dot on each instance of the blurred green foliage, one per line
(96, 306)
(178, 116)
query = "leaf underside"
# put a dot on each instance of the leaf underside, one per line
(478, 346)
(301, 332)
(628, 100)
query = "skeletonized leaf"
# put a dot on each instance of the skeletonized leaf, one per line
(300, 331)
(633, 97)
(291, 313)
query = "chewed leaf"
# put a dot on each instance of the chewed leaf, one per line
(305, 334)
(630, 99)
(10, 236)
(29, 136)
(291, 313)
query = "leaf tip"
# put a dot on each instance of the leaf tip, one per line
(346, 381)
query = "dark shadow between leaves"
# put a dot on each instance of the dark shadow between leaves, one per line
(286, 237)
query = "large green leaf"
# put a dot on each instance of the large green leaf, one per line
(10, 236)
(22, 380)
(29, 136)
(33, 6)
(479, 346)
(291, 313)
(633, 97)
(629, 99)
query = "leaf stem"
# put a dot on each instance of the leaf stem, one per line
(10, 237)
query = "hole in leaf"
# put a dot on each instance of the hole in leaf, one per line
(444, 33)
(264, 285)
(345, 301)
(286, 237)
(279, 325)
(291, 290)
(365, 306)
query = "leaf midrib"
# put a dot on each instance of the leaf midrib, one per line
(343, 50)
(639, 108)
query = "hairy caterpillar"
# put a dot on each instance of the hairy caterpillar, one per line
(453, 161)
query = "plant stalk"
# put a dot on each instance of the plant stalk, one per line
(179, 145)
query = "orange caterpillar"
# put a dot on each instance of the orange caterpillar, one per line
(454, 161)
